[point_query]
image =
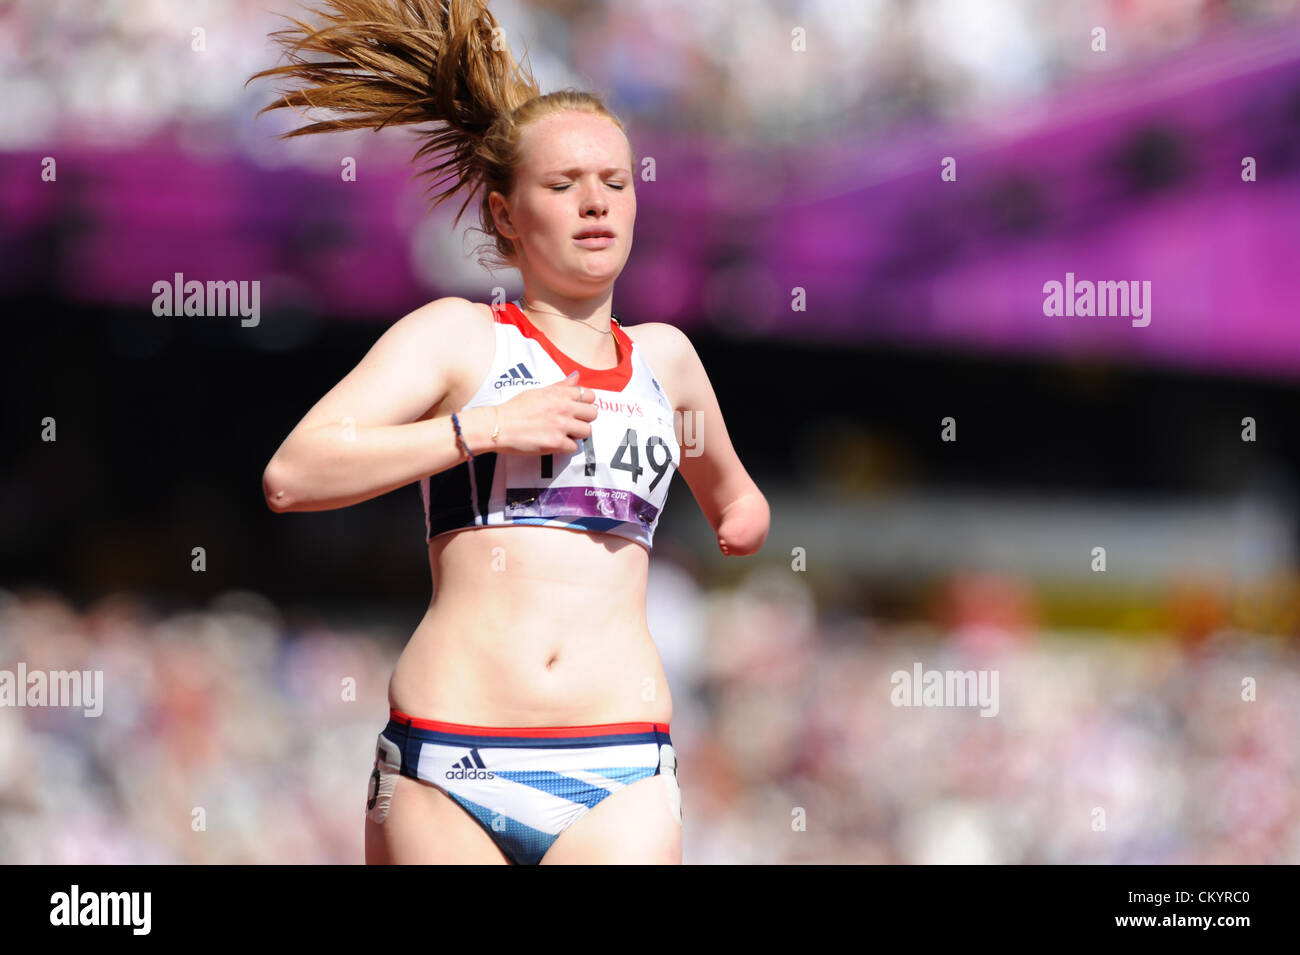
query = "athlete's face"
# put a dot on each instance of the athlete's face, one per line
(576, 176)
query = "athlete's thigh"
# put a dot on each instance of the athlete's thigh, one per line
(425, 826)
(640, 824)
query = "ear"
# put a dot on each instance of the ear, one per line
(501, 215)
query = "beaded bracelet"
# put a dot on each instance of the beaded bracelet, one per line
(460, 438)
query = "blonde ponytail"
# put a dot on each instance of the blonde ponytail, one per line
(439, 62)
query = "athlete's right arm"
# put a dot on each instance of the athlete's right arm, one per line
(362, 438)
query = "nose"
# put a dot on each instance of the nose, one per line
(593, 203)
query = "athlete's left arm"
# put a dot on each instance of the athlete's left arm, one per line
(734, 506)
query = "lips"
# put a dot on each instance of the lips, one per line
(595, 239)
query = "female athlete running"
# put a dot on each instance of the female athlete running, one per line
(529, 713)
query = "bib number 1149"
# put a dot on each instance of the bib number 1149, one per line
(627, 457)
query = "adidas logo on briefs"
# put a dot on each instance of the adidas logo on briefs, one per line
(469, 768)
(518, 375)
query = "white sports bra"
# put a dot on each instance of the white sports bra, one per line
(616, 481)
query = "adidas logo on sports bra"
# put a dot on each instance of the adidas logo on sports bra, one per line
(517, 375)
(615, 482)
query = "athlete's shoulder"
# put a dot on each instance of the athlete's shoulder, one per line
(665, 346)
(452, 335)
(448, 324)
(451, 312)
(668, 342)
(669, 353)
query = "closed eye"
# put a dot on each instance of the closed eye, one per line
(610, 184)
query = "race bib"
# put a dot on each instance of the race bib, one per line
(622, 471)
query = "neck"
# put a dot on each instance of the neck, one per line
(584, 347)
(598, 317)
(594, 310)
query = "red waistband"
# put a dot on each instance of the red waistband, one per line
(593, 729)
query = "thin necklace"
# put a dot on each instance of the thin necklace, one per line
(609, 331)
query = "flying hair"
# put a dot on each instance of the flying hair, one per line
(444, 64)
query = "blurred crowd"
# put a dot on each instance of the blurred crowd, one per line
(243, 732)
(117, 71)
(232, 734)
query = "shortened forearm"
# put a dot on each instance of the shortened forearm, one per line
(744, 525)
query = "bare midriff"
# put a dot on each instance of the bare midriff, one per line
(533, 626)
